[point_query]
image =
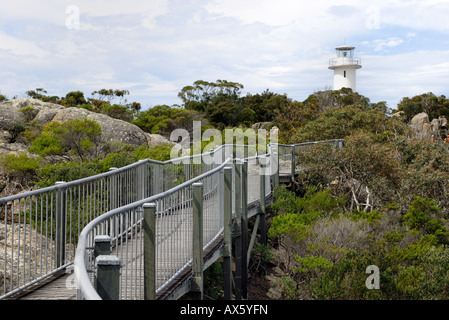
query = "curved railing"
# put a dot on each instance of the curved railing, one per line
(40, 228)
(47, 226)
(172, 214)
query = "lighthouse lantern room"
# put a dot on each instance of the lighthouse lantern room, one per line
(345, 66)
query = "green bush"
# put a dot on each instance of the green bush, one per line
(81, 138)
(21, 166)
(49, 174)
(159, 152)
(424, 215)
(294, 214)
(47, 144)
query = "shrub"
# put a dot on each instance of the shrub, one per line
(159, 152)
(49, 174)
(424, 215)
(79, 137)
(20, 167)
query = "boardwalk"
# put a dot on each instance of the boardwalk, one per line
(60, 287)
(63, 287)
(119, 192)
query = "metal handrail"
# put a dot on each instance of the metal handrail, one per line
(85, 286)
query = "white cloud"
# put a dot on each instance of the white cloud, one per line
(154, 48)
(20, 47)
(392, 77)
(383, 44)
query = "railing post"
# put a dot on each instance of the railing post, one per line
(108, 277)
(197, 266)
(262, 208)
(102, 246)
(293, 164)
(238, 230)
(149, 244)
(275, 164)
(244, 228)
(61, 219)
(227, 248)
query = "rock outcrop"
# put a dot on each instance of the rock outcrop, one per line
(424, 128)
(44, 112)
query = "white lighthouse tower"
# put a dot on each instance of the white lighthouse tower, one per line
(345, 66)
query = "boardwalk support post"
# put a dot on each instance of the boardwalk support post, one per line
(227, 248)
(61, 219)
(244, 228)
(262, 207)
(293, 165)
(197, 265)
(108, 277)
(238, 230)
(102, 246)
(274, 164)
(149, 245)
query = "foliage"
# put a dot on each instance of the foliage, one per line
(15, 131)
(78, 137)
(340, 123)
(158, 152)
(163, 119)
(381, 200)
(413, 263)
(213, 281)
(223, 106)
(49, 173)
(424, 215)
(21, 167)
(102, 101)
(294, 214)
(395, 190)
(434, 106)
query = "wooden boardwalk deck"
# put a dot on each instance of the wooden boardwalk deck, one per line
(58, 287)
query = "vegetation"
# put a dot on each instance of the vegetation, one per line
(381, 200)
(434, 106)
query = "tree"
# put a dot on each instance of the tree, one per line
(202, 93)
(339, 123)
(110, 94)
(36, 94)
(163, 119)
(75, 99)
(434, 106)
(265, 105)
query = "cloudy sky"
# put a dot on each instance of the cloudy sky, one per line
(153, 48)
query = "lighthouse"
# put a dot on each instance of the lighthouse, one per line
(345, 66)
